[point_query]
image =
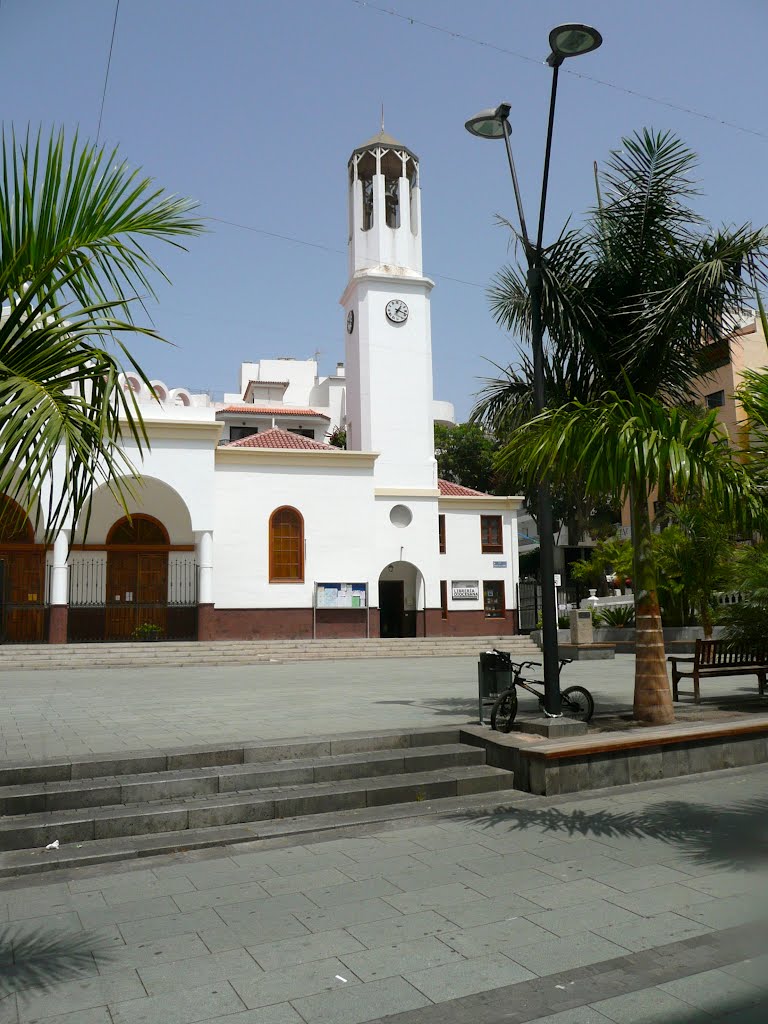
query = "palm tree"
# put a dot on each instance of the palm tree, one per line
(629, 446)
(75, 222)
(637, 291)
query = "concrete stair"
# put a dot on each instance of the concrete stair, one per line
(104, 808)
(170, 654)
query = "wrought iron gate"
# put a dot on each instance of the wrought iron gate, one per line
(119, 603)
(528, 605)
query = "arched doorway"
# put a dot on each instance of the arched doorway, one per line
(22, 577)
(137, 576)
(401, 597)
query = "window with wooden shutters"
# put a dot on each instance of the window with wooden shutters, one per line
(286, 546)
(490, 535)
(441, 533)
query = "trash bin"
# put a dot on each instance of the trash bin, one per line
(493, 676)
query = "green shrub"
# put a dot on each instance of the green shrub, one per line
(619, 616)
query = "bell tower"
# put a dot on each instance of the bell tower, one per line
(387, 317)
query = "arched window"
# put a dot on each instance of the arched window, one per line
(139, 529)
(286, 546)
(15, 527)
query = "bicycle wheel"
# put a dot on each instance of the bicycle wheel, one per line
(504, 710)
(577, 703)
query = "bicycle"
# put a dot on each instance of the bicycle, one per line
(576, 701)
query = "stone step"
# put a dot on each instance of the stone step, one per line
(19, 832)
(16, 863)
(241, 752)
(150, 787)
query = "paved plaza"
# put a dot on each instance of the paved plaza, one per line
(637, 905)
(53, 713)
(640, 905)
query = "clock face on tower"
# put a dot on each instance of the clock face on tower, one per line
(396, 311)
(350, 321)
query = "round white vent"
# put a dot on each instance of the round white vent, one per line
(400, 515)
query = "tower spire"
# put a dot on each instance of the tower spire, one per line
(382, 116)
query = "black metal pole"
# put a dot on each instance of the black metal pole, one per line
(552, 702)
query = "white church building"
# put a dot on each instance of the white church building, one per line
(248, 524)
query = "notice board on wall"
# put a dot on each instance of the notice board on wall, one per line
(341, 595)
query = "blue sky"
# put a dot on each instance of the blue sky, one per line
(253, 107)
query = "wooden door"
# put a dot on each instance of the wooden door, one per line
(137, 592)
(152, 589)
(122, 579)
(391, 608)
(23, 611)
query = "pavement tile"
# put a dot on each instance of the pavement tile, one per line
(311, 946)
(95, 1015)
(714, 991)
(8, 1012)
(304, 881)
(358, 1003)
(725, 913)
(487, 911)
(494, 938)
(647, 877)
(29, 904)
(466, 852)
(648, 1006)
(253, 931)
(492, 864)
(83, 994)
(378, 847)
(754, 971)
(311, 862)
(352, 892)
(160, 906)
(391, 931)
(126, 893)
(225, 872)
(111, 877)
(391, 961)
(463, 979)
(301, 980)
(435, 897)
(200, 970)
(274, 906)
(650, 902)
(567, 894)
(50, 892)
(174, 924)
(567, 953)
(360, 912)
(155, 951)
(581, 1015)
(650, 932)
(220, 896)
(721, 884)
(182, 1006)
(281, 1013)
(390, 866)
(512, 881)
(589, 917)
(565, 849)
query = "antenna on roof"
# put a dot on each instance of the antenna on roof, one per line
(382, 118)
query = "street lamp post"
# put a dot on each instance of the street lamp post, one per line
(565, 41)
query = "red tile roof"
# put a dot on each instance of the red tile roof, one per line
(449, 490)
(275, 438)
(272, 410)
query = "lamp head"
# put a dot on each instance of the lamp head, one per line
(571, 41)
(489, 124)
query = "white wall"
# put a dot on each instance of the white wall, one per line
(337, 505)
(464, 559)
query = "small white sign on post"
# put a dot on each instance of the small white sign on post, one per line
(558, 579)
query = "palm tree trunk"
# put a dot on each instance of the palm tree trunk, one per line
(653, 699)
(705, 617)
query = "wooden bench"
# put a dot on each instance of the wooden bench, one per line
(715, 658)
